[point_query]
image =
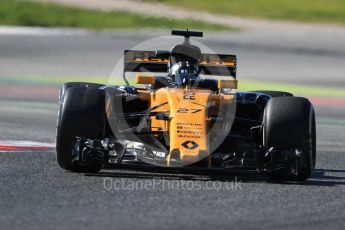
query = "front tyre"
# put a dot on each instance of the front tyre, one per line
(81, 113)
(289, 124)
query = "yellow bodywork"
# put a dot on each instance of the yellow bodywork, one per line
(189, 113)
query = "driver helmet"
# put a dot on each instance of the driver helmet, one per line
(183, 74)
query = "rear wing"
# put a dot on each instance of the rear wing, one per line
(210, 64)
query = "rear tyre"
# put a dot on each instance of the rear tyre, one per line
(289, 123)
(81, 113)
(274, 93)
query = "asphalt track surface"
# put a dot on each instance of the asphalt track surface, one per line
(36, 193)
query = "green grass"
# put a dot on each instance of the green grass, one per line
(24, 13)
(244, 85)
(326, 11)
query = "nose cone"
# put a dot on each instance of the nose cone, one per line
(188, 126)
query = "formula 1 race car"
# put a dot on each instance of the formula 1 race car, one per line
(185, 112)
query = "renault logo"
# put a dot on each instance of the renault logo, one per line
(190, 145)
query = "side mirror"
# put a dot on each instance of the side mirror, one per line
(227, 84)
(145, 79)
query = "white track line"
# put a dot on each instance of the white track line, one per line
(39, 31)
(26, 143)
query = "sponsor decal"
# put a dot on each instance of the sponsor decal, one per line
(190, 145)
(159, 153)
(189, 130)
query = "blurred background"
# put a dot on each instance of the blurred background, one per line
(288, 45)
(296, 45)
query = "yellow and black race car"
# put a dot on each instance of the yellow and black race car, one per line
(185, 112)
